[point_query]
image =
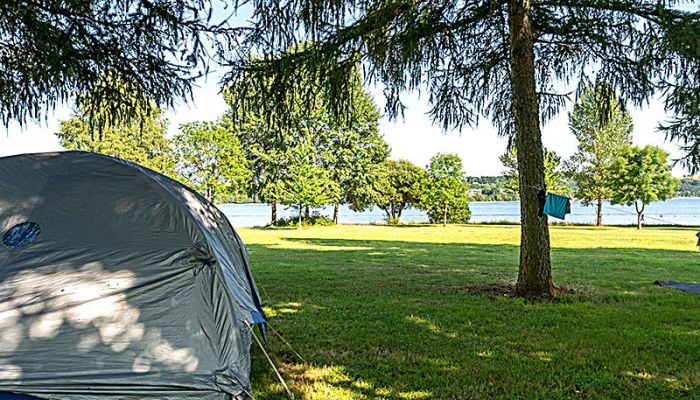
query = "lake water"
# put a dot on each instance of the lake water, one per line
(680, 211)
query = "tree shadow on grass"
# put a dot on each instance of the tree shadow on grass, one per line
(392, 320)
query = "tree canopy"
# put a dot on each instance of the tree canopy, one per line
(349, 150)
(603, 129)
(554, 177)
(640, 176)
(211, 160)
(400, 186)
(445, 194)
(306, 183)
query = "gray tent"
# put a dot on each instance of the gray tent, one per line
(117, 282)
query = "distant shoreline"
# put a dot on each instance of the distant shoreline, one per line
(473, 201)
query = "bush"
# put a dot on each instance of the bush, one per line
(316, 219)
(455, 215)
(392, 220)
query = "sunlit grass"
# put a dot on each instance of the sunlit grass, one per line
(383, 313)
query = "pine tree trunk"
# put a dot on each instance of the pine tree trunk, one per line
(273, 211)
(599, 220)
(336, 211)
(535, 272)
(301, 209)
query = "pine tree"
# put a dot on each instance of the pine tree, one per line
(55, 51)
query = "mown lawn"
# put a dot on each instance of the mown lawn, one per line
(386, 313)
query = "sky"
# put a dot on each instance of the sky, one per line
(412, 137)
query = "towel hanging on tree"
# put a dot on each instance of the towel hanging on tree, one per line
(557, 206)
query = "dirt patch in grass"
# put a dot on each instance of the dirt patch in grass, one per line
(499, 289)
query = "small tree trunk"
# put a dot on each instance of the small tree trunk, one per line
(336, 211)
(273, 211)
(535, 271)
(444, 216)
(599, 220)
(301, 209)
(639, 214)
(307, 214)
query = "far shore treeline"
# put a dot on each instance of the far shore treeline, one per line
(304, 160)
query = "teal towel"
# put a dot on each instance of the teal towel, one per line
(557, 206)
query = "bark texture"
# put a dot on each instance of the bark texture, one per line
(535, 272)
(273, 211)
(599, 220)
(300, 213)
(640, 213)
(336, 211)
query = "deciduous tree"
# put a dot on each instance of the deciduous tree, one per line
(211, 160)
(401, 184)
(306, 183)
(348, 149)
(603, 129)
(640, 176)
(445, 194)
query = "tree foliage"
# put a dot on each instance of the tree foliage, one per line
(306, 183)
(445, 193)
(348, 150)
(143, 143)
(490, 188)
(689, 187)
(353, 153)
(603, 129)
(211, 160)
(401, 184)
(53, 51)
(554, 177)
(640, 176)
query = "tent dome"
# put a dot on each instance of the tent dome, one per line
(117, 282)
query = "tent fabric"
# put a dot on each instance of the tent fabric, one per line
(117, 282)
(686, 287)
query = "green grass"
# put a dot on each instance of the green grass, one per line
(383, 313)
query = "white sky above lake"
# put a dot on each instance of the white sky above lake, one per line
(414, 137)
